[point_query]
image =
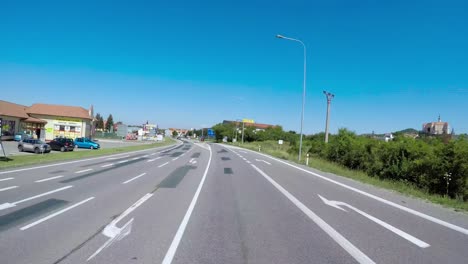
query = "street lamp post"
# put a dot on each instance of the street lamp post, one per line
(304, 89)
(329, 98)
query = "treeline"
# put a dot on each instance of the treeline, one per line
(436, 165)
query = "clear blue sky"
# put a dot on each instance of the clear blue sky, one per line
(391, 64)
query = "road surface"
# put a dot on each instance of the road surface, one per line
(210, 203)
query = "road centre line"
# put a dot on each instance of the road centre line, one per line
(162, 165)
(8, 188)
(134, 178)
(8, 205)
(107, 165)
(183, 225)
(75, 161)
(6, 179)
(375, 197)
(49, 179)
(357, 254)
(54, 214)
(81, 171)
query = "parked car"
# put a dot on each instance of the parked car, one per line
(20, 136)
(62, 144)
(83, 142)
(33, 145)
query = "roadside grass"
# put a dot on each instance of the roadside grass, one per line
(273, 149)
(24, 160)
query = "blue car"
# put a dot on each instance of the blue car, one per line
(83, 142)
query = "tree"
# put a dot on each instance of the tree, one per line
(174, 133)
(110, 123)
(99, 122)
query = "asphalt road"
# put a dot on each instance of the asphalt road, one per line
(200, 203)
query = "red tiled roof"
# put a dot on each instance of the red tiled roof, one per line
(11, 109)
(59, 110)
(35, 120)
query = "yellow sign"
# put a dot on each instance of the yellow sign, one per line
(251, 121)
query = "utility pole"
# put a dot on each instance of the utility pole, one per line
(329, 96)
(242, 131)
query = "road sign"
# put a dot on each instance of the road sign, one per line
(280, 142)
(211, 132)
(245, 120)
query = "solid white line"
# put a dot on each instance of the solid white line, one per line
(134, 178)
(357, 254)
(122, 161)
(162, 165)
(6, 179)
(8, 188)
(48, 179)
(43, 194)
(180, 231)
(81, 171)
(107, 165)
(78, 161)
(55, 214)
(406, 209)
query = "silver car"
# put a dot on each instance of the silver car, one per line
(33, 145)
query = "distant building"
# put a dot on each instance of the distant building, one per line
(257, 126)
(436, 128)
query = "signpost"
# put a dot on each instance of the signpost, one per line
(1, 142)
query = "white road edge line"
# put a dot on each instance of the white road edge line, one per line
(403, 208)
(357, 254)
(180, 231)
(55, 214)
(49, 179)
(6, 179)
(162, 165)
(78, 161)
(134, 178)
(8, 205)
(107, 165)
(8, 188)
(81, 171)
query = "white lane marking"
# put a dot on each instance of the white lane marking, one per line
(244, 158)
(55, 214)
(249, 162)
(162, 165)
(151, 160)
(240, 156)
(8, 188)
(77, 161)
(134, 178)
(6, 179)
(113, 158)
(49, 179)
(152, 154)
(175, 158)
(357, 254)
(145, 156)
(395, 230)
(122, 161)
(107, 165)
(81, 171)
(113, 232)
(8, 205)
(243, 151)
(180, 231)
(135, 158)
(266, 162)
(406, 209)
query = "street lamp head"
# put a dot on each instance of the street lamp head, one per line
(279, 36)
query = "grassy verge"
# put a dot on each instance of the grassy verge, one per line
(23, 160)
(273, 149)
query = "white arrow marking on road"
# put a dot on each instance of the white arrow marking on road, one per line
(115, 233)
(263, 161)
(8, 205)
(410, 238)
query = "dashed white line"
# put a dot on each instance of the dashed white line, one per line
(81, 171)
(162, 165)
(8, 205)
(135, 158)
(122, 161)
(49, 179)
(8, 188)
(113, 158)
(152, 154)
(145, 156)
(6, 179)
(175, 158)
(244, 158)
(55, 214)
(107, 165)
(249, 162)
(357, 254)
(151, 160)
(134, 178)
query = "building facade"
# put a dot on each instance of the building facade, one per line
(436, 128)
